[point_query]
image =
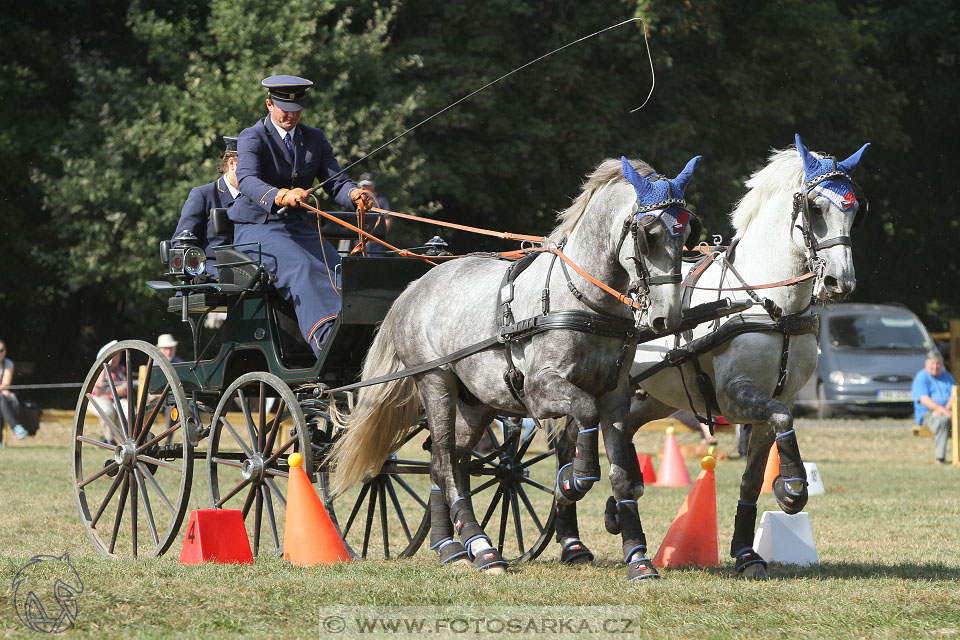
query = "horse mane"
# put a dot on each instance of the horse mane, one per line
(784, 170)
(607, 171)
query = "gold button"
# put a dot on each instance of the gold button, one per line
(296, 175)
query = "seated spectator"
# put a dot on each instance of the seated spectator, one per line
(102, 396)
(9, 406)
(932, 401)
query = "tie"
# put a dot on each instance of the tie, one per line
(286, 141)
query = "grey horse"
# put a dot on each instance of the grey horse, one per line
(568, 354)
(796, 217)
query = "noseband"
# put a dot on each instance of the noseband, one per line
(801, 204)
(644, 281)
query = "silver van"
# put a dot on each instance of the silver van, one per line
(869, 354)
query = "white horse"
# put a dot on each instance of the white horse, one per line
(794, 220)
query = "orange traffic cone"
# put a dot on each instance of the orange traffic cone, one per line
(646, 468)
(309, 536)
(772, 470)
(692, 538)
(673, 470)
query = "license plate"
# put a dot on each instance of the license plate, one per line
(894, 395)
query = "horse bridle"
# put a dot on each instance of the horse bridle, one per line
(801, 204)
(642, 284)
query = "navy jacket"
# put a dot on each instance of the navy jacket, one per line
(195, 215)
(264, 165)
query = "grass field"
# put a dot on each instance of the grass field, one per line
(886, 533)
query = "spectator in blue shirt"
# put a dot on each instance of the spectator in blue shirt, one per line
(932, 401)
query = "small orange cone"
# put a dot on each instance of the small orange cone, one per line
(646, 468)
(772, 470)
(673, 470)
(693, 538)
(309, 536)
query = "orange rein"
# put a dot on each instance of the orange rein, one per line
(505, 235)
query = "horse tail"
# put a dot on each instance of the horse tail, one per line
(381, 419)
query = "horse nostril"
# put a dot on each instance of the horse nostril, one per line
(659, 324)
(831, 283)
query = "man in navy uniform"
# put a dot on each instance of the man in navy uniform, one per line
(195, 215)
(279, 159)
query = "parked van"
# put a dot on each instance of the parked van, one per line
(869, 354)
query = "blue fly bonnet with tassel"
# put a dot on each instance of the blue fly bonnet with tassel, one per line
(831, 178)
(661, 196)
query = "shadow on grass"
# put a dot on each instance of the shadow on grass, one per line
(903, 571)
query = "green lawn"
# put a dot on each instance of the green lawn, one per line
(886, 533)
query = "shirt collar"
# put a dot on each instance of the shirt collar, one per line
(283, 132)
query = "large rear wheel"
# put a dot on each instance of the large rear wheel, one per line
(256, 425)
(386, 516)
(132, 460)
(511, 478)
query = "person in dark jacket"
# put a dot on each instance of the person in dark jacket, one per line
(279, 159)
(195, 215)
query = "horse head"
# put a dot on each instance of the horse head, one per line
(824, 215)
(660, 224)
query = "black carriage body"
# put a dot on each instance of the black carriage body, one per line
(261, 331)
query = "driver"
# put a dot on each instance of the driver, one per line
(279, 159)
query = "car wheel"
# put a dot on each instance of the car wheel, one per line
(824, 408)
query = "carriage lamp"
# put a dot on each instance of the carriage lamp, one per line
(186, 257)
(847, 377)
(194, 261)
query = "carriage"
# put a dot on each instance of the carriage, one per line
(252, 393)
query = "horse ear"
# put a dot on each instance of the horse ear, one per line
(810, 164)
(683, 178)
(642, 187)
(848, 165)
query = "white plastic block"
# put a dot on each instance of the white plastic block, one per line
(786, 539)
(814, 481)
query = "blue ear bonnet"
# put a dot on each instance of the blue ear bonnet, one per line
(661, 196)
(836, 188)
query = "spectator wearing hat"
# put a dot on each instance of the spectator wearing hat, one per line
(168, 347)
(932, 400)
(279, 160)
(368, 184)
(102, 396)
(195, 215)
(9, 406)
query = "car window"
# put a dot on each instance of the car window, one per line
(877, 331)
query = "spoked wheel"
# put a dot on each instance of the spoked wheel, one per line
(511, 478)
(132, 489)
(387, 516)
(256, 425)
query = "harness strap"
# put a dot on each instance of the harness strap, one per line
(420, 368)
(788, 325)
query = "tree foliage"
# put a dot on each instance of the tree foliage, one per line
(117, 122)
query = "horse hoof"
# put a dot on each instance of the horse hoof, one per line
(611, 516)
(575, 552)
(754, 572)
(641, 569)
(462, 563)
(496, 570)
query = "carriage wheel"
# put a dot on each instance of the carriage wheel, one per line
(511, 478)
(387, 516)
(131, 465)
(257, 424)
